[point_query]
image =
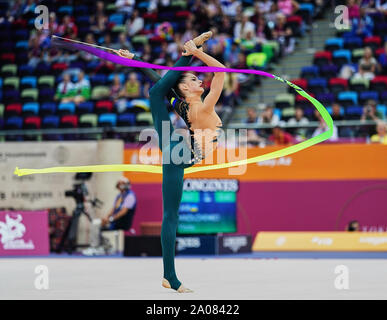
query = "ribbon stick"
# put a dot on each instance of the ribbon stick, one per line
(69, 44)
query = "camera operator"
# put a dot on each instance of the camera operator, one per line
(121, 215)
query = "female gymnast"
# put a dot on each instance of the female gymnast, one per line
(184, 91)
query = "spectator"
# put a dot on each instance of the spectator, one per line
(135, 24)
(268, 117)
(99, 25)
(370, 112)
(132, 88)
(280, 137)
(263, 31)
(265, 6)
(367, 65)
(65, 91)
(99, 12)
(82, 89)
(362, 26)
(383, 60)
(230, 88)
(107, 41)
(288, 7)
(52, 23)
(35, 53)
(232, 54)
(163, 55)
(67, 27)
(283, 34)
(231, 7)
(123, 43)
(85, 56)
(381, 133)
(115, 88)
(249, 44)
(300, 120)
(353, 226)
(125, 6)
(336, 112)
(241, 28)
(353, 9)
(253, 136)
(324, 127)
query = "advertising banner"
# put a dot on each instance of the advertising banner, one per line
(196, 245)
(24, 233)
(234, 244)
(320, 241)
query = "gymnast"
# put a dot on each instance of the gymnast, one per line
(183, 91)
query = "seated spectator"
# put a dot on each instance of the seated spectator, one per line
(82, 89)
(381, 133)
(65, 91)
(163, 55)
(265, 6)
(367, 65)
(370, 113)
(226, 26)
(284, 34)
(383, 60)
(280, 137)
(67, 28)
(35, 52)
(52, 23)
(107, 41)
(85, 56)
(135, 24)
(298, 119)
(241, 28)
(231, 54)
(123, 43)
(115, 88)
(230, 87)
(288, 7)
(353, 9)
(336, 112)
(324, 127)
(253, 136)
(268, 117)
(249, 44)
(263, 31)
(132, 88)
(231, 8)
(125, 6)
(362, 26)
(99, 25)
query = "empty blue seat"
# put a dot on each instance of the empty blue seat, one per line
(50, 122)
(348, 95)
(14, 123)
(317, 82)
(309, 71)
(23, 44)
(126, 119)
(326, 98)
(382, 109)
(334, 42)
(98, 79)
(107, 119)
(368, 95)
(117, 18)
(29, 80)
(353, 42)
(26, 69)
(48, 108)
(307, 6)
(85, 107)
(66, 10)
(354, 111)
(31, 107)
(66, 107)
(342, 54)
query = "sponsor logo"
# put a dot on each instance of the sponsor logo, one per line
(211, 185)
(11, 232)
(280, 241)
(188, 243)
(235, 243)
(373, 240)
(322, 241)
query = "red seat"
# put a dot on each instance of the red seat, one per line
(302, 83)
(373, 39)
(323, 54)
(300, 98)
(8, 57)
(15, 108)
(338, 81)
(294, 19)
(69, 121)
(106, 105)
(379, 51)
(379, 79)
(33, 121)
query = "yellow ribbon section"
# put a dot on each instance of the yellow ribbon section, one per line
(158, 169)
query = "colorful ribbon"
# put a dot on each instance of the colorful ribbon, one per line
(158, 169)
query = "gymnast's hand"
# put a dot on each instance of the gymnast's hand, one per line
(124, 53)
(190, 48)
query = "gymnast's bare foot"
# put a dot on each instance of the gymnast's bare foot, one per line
(181, 289)
(125, 53)
(199, 40)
